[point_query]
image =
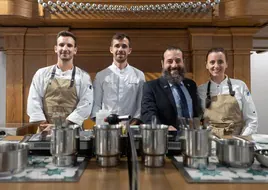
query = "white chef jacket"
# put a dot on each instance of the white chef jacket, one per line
(242, 96)
(118, 91)
(38, 87)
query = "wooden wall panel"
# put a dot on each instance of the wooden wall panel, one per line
(33, 48)
(14, 46)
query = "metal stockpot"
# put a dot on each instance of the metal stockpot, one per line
(154, 144)
(234, 152)
(64, 145)
(107, 144)
(196, 146)
(196, 142)
(13, 158)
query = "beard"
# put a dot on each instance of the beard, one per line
(65, 56)
(121, 58)
(176, 76)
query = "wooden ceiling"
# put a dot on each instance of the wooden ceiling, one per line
(228, 13)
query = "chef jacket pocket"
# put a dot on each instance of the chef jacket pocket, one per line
(133, 84)
(109, 81)
(133, 81)
(110, 85)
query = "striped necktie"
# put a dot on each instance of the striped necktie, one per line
(183, 101)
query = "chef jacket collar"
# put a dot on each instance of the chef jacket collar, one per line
(117, 70)
(222, 82)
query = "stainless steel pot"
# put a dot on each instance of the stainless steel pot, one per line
(196, 146)
(234, 152)
(63, 147)
(196, 142)
(262, 156)
(154, 144)
(13, 158)
(107, 144)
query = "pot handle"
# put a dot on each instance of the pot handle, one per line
(241, 138)
(216, 138)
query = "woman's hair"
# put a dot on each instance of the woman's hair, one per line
(216, 50)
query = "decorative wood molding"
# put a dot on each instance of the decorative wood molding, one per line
(14, 47)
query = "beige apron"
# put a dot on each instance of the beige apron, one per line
(223, 113)
(60, 97)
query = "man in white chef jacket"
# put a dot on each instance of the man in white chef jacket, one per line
(61, 90)
(118, 88)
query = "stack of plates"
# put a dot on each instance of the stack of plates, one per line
(261, 141)
(260, 138)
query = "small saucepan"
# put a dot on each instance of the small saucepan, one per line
(234, 152)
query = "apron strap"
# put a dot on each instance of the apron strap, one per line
(232, 93)
(52, 74)
(208, 99)
(73, 77)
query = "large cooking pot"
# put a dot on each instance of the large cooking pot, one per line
(13, 158)
(196, 146)
(196, 142)
(107, 144)
(234, 152)
(154, 144)
(64, 145)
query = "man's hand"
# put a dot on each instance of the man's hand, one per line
(171, 128)
(44, 128)
(135, 121)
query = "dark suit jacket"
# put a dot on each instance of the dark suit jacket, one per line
(158, 100)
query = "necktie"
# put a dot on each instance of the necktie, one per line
(183, 101)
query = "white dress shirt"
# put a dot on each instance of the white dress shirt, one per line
(38, 87)
(118, 91)
(242, 96)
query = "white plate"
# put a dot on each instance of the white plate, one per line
(260, 138)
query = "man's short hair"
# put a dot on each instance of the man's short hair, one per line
(66, 34)
(170, 48)
(120, 36)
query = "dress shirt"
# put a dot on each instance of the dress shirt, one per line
(118, 91)
(38, 87)
(178, 99)
(242, 96)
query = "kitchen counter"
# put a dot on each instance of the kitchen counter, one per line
(97, 178)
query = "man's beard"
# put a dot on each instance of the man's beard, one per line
(176, 77)
(65, 58)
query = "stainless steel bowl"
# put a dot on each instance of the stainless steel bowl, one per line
(262, 156)
(13, 158)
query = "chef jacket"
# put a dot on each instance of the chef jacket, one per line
(38, 88)
(118, 91)
(242, 96)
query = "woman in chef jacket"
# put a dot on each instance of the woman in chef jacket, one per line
(227, 103)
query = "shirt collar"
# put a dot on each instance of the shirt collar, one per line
(58, 70)
(171, 85)
(222, 82)
(121, 71)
